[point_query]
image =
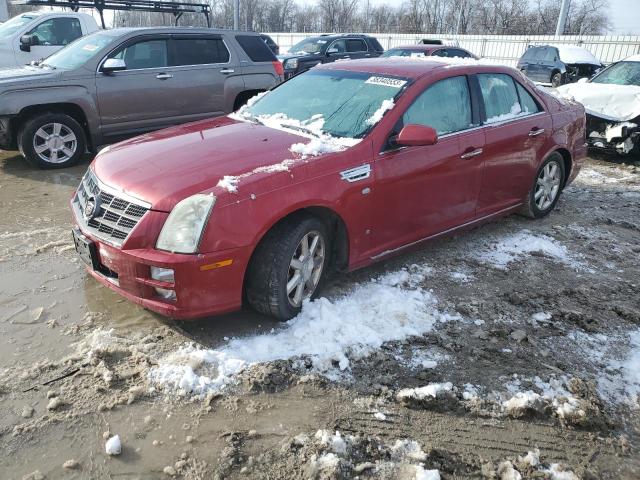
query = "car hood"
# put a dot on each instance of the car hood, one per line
(167, 166)
(618, 103)
(287, 56)
(19, 75)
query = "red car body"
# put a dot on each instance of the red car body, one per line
(411, 195)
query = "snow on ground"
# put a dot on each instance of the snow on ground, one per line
(510, 248)
(391, 307)
(591, 176)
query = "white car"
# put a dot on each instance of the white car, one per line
(612, 102)
(36, 35)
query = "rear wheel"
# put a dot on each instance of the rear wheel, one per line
(546, 188)
(52, 140)
(288, 267)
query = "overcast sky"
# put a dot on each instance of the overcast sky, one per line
(625, 17)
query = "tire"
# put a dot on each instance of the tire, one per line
(272, 269)
(50, 129)
(545, 192)
(556, 79)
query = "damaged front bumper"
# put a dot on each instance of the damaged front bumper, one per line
(613, 137)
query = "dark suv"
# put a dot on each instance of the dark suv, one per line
(558, 64)
(328, 48)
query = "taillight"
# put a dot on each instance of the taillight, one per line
(277, 66)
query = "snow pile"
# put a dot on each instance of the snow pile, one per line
(500, 253)
(619, 103)
(113, 446)
(575, 54)
(231, 182)
(620, 382)
(349, 328)
(318, 146)
(553, 394)
(335, 442)
(431, 390)
(379, 113)
(591, 176)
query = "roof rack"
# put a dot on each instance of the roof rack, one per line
(175, 8)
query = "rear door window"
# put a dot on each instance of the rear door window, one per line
(199, 51)
(502, 99)
(550, 55)
(456, 52)
(255, 48)
(445, 106)
(356, 45)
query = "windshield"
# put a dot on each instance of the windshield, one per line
(308, 46)
(16, 23)
(346, 104)
(77, 53)
(403, 52)
(623, 73)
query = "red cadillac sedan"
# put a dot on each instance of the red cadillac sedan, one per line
(342, 166)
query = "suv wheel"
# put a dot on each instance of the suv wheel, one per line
(52, 140)
(556, 79)
(288, 266)
(546, 188)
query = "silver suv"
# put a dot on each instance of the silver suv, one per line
(119, 83)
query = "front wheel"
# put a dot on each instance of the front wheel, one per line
(52, 140)
(288, 266)
(556, 79)
(546, 188)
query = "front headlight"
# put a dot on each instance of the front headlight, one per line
(291, 64)
(182, 231)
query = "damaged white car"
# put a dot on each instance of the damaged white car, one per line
(612, 103)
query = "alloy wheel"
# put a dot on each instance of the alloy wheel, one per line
(547, 185)
(305, 268)
(55, 143)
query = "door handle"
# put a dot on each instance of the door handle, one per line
(227, 70)
(471, 153)
(536, 131)
(164, 76)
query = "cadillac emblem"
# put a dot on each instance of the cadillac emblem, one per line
(91, 208)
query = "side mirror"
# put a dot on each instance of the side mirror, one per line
(26, 41)
(417, 135)
(111, 65)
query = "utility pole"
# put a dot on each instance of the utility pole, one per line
(4, 11)
(562, 19)
(236, 14)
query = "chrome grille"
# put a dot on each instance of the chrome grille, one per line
(117, 215)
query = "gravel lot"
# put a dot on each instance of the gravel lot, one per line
(512, 349)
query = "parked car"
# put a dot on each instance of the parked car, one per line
(117, 83)
(270, 43)
(612, 102)
(342, 166)
(426, 50)
(558, 64)
(326, 49)
(36, 35)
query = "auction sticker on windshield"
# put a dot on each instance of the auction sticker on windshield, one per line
(387, 82)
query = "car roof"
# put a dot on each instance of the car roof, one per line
(423, 47)
(177, 30)
(413, 68)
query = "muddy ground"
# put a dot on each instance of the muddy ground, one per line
(75, 358)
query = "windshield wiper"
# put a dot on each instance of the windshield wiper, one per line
(302, 129)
